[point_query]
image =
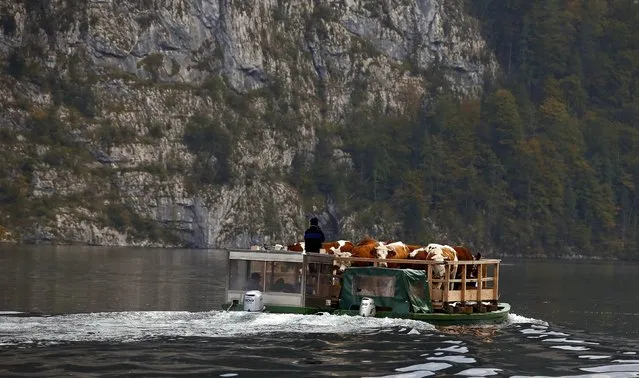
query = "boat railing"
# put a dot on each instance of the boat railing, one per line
(482, 287)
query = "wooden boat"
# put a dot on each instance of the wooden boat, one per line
(310, 283)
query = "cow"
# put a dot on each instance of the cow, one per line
(340, 245)
(447, 253)
(296, 247)
(412, 247)
(340, 248)
(367, 240)
(439, 253)
(365, 249)
(484, 268)
(464, 254)
(395, 250)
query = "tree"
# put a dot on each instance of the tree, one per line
(502, 123)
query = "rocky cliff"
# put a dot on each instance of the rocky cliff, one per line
(177, 122)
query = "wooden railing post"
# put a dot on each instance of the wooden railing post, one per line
(429, 275)
(480, 284)
(463, 284)
(446, 281)
(496, 282)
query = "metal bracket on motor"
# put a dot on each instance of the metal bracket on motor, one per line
(234, 303)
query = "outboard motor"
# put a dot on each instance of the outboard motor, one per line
(253, 301)
(367, 307)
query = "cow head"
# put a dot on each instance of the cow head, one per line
(436, 253)
(438, 269)
(433, 247)
(381, 252)
(474, 269)
(339, 264)
(433, 251)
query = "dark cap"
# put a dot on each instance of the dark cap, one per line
(314, 221)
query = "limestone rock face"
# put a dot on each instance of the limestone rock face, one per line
(176, 122)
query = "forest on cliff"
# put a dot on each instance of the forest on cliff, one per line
(545, 163)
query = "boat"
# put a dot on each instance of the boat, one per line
(311, 283)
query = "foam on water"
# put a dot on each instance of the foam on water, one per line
(412, 374)
(479, 372)
(594, 357)
(541, 332)
(135, 326)
(456, 359)
(455, 349)
(430, 366)
(570, 347)
(569, 341)
(630, 368)
(518, 319)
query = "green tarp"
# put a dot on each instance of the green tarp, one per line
(400, 290)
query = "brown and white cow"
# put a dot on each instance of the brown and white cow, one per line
(296, 247)
(412, 247)
(365, 249)
(439, 253)
(464, 254)
(340, 248)
(395, 250)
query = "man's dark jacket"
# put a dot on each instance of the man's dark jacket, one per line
(313, 239)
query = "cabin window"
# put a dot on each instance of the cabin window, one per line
(283, 277)
(279, 277)
(317, 269)
(246, 275)
(374, 286)
(319, 279)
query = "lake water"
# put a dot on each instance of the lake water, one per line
(127, 312)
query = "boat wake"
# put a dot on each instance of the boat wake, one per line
(137, 326)
(518, 319)
(24, 328)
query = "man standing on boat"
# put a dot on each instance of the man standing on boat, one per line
(313, 237)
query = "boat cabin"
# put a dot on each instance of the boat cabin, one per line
(286, 279)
